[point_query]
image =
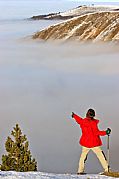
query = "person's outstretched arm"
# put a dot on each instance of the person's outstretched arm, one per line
(102, 132)
(78, 119)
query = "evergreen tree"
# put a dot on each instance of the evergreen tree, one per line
(18, 156)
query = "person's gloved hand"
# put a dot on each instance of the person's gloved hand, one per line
(72, 115)
(108, 131)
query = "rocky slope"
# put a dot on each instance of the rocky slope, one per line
(80, 10)
(97, 26)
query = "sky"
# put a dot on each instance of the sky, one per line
(96, 0)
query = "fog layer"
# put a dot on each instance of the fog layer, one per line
(42, 83)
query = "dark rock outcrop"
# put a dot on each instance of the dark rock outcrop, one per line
(52, 16)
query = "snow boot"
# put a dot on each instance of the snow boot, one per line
(81, 173)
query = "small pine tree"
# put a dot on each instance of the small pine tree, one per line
(19, 157)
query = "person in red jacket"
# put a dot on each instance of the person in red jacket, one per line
(90, 139)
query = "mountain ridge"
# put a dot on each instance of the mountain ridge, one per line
(80, 10)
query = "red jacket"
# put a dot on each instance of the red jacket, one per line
(90, 132)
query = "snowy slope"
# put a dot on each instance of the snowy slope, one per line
(40, 175)
(88, 9)
(80, 10)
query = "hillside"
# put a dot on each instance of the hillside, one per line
(97, 26)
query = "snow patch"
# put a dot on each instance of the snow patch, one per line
(87, 9)
(41, 175)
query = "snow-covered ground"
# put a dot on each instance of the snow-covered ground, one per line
(40, 175)
(88, 9)
(78, 11)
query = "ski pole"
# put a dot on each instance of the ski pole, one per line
(108, 152)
